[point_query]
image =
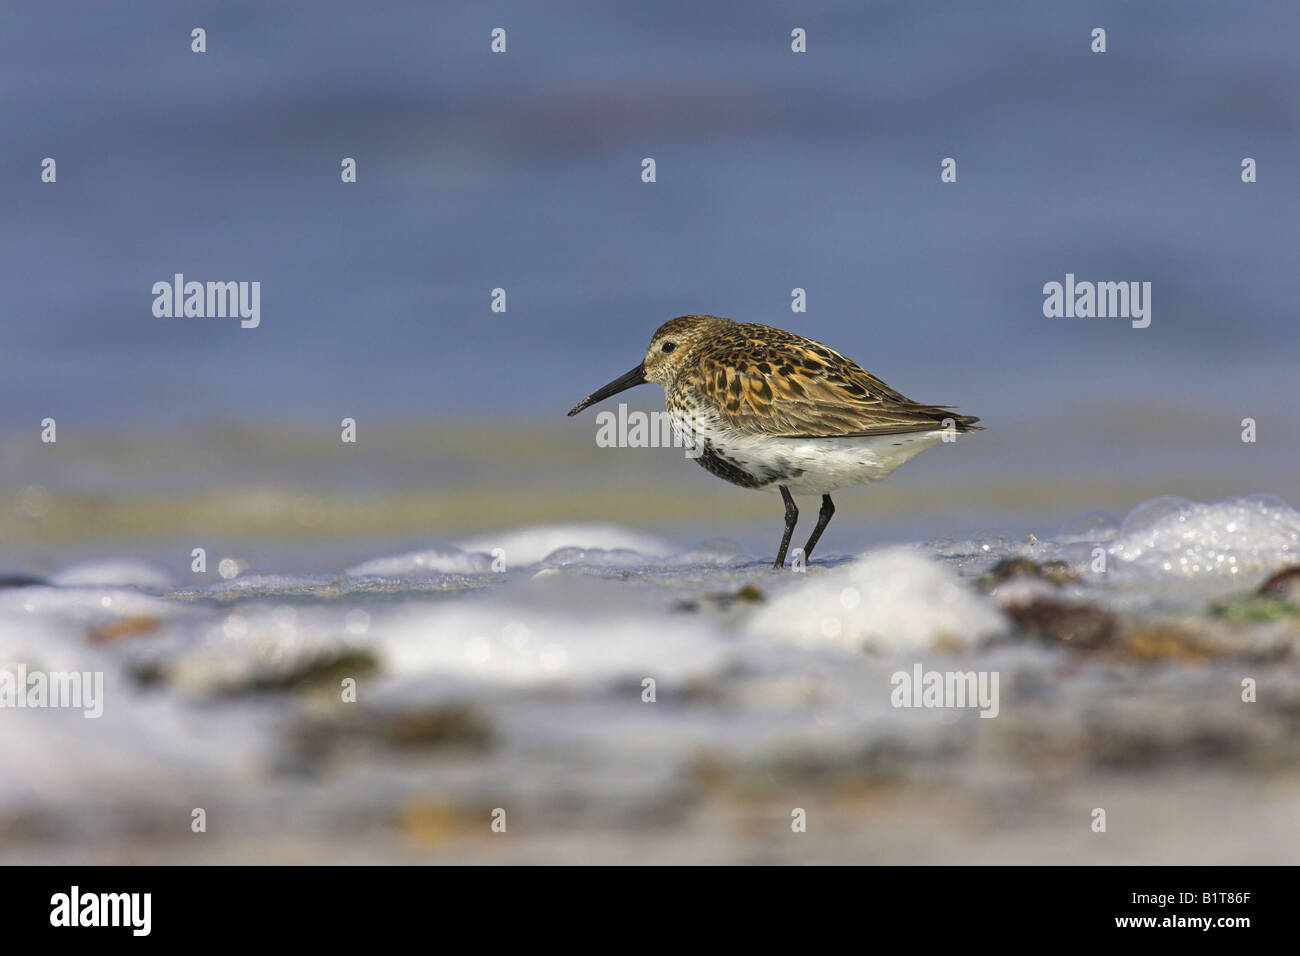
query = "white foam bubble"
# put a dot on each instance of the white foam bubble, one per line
(526, 546)
(1186, 538)
(890, 600)
(118, 574)
(434, 560)
(526, 645)
(594, 544)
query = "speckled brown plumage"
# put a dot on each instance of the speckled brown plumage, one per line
(769, 381)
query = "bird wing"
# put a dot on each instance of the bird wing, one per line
(773, 382)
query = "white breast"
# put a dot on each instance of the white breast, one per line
(809, 466)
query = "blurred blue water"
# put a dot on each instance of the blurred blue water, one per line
(775, 170)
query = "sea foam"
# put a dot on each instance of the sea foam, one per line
(895, 599)
(1189, 539)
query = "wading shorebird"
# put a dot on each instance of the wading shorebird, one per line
(771, 410)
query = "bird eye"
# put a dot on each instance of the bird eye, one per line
(669, 346)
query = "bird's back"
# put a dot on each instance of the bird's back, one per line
(766, 381)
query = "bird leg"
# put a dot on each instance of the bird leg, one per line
(823, 519)
(791, 516)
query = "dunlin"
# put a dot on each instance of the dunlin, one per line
(771, 410)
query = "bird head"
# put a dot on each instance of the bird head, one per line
(667, 354)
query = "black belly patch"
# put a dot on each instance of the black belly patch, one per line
(715, 461)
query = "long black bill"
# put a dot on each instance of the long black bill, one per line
(620, 384)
